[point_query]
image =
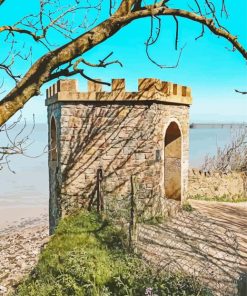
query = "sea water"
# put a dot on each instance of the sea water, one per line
(25, 182)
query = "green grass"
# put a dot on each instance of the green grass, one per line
(223, 198)
(186, 206)
(87, 256)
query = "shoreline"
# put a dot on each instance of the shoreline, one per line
(16, 217)
(219, 125)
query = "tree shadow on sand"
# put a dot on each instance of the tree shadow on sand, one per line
(190, 243)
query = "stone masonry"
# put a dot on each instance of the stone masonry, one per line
(105, 137)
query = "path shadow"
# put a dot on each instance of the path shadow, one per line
(191, 243)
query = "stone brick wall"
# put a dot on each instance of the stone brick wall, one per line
(232, 185)
(122, 137)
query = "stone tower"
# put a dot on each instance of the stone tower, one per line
(98, 139)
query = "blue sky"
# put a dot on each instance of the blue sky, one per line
(206, 65)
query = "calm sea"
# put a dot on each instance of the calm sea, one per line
(28, 186)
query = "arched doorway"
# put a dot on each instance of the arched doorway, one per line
(172, 170)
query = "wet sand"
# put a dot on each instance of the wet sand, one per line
(12, 218)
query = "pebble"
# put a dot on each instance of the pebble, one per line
(3, 290)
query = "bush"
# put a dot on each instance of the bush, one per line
(231, 157)
(87, 256)
(222, 198)
(187, 207)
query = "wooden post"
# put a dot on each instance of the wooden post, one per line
(100, 198)
(133, 217)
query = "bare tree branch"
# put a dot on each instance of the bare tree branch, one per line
(241, 92)
(18, 140)
(102, 63)
(177, 31)
(223, 9)
(7, 69)
(232, 157)
(209, 23)
(152, 40)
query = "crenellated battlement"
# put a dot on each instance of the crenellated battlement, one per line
(149, 89)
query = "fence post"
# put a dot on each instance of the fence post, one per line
(100, 198)
(133, 216)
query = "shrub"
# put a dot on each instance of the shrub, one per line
(222, 198)
(231, 157)
(187, 207)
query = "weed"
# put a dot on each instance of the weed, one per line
(222, 198)
(187, 207)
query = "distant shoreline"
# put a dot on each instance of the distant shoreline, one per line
(218, 125)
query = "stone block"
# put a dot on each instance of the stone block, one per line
(94, 87)
(149, 84)
(118, 87)
(66, 85)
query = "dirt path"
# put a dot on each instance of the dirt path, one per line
(233, 216)
(209, 243)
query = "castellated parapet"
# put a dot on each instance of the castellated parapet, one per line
(149, 89)
(98, 139)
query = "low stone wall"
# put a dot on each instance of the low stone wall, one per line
(207, 184)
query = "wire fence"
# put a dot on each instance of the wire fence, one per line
(184, 242)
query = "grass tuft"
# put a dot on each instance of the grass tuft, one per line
(186, 206)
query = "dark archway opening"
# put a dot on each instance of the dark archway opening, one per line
(53, 143)
(172, 170)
